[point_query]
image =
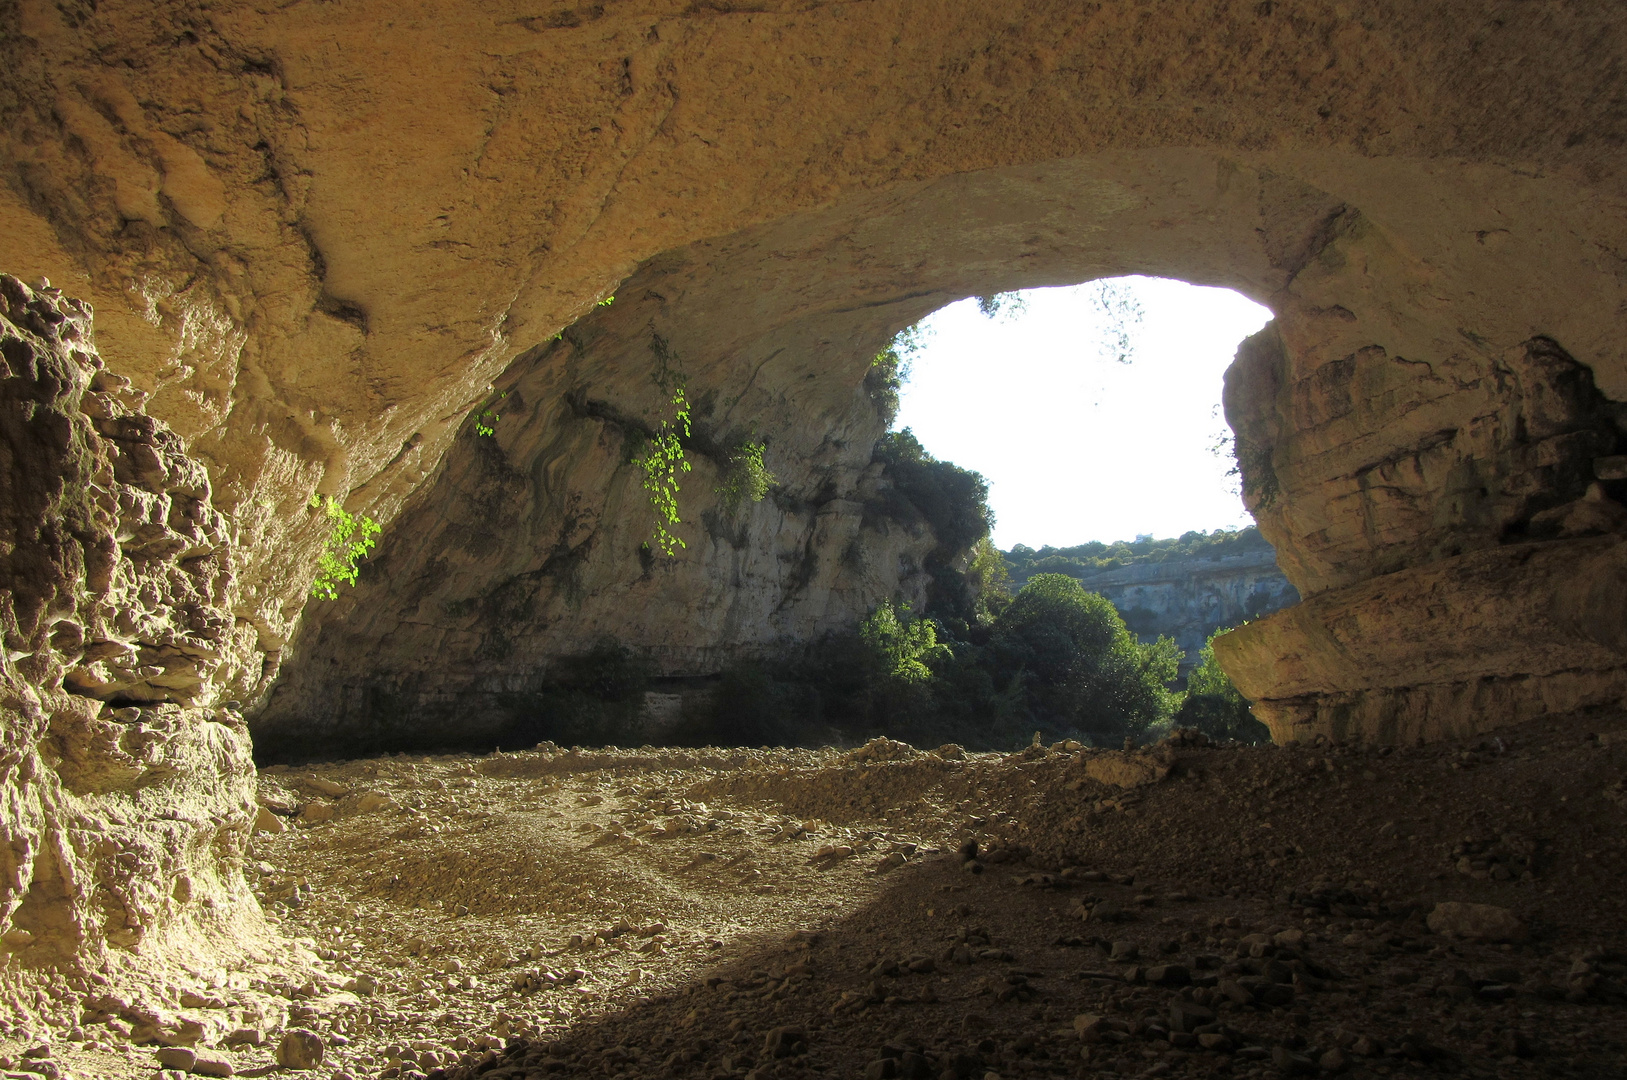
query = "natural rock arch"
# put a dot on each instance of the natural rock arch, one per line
(315, 235)
(528, 544)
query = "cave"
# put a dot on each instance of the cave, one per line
(266, 258)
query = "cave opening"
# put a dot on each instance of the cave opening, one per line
(858, 592)
(1092, 416)
(314, 235)
(1094, 410)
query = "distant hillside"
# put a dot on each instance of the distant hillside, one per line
(1185, 588)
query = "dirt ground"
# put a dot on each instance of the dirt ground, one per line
(1183, 911)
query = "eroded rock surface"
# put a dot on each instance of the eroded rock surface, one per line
(316, 264)
(128, 786)
(1462, 561)
(316, 234)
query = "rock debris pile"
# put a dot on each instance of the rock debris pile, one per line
(887, 912)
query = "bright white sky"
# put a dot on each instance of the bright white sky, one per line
(1075, 445)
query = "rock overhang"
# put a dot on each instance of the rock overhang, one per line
(315, 236)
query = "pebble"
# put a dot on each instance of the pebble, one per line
(323, 786)
(1184, 1016)
(300, 1049)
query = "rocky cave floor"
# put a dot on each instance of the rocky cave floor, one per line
(1258, 911)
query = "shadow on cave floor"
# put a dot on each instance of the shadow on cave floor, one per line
(1279, 903)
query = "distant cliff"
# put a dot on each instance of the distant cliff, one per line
(1185, 588)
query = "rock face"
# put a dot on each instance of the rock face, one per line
(537, 540)
(316, 234)
(1478, 520)
(128, 793)
(1190, 598)
(1494, 636)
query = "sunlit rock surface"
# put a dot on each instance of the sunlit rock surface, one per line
(129, 790)
(316, 234)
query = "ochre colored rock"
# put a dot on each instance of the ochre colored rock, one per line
(316, 811)
(1484, 922)
(213, 1063)
(300, 1050)
(1445, 649)
(1126, 770)
(129, 799)
(313, 290)
(1425, 223)
(177, 1057)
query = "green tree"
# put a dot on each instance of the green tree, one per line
(989, 580)
(1080, 664)
(1010, 304)
(953, 500)
(904, 645)
(1214, 705)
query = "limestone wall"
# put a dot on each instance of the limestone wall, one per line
(128, 786)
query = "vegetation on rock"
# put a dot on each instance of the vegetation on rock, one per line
(350, 536)
(663, 458)
(1082, 560)
(952, 500)
(745, 477)
(486, 419)
(890, 370)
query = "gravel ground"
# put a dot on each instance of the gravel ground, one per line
(1186, 910)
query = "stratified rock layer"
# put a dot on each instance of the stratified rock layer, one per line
(1453, 528)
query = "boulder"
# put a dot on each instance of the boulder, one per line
(1126, 770)
(316, 811)
(267, 822)
(1481, 922)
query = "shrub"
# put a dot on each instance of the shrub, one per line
(954, 501)
(662, 460)
(745, 478)
(903, 646)
(1056, 658)
(884, 382)
(1214, 705)
(988, 579)
(890, 370)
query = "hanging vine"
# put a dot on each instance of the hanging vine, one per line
(663, 460)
